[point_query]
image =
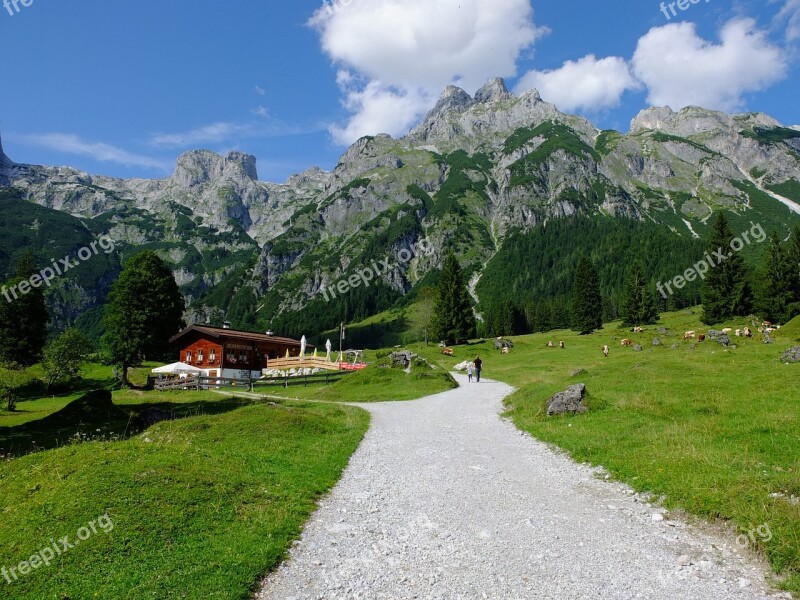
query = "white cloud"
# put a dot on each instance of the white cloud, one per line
(214, 133)
(790, 14)
(261, 91)
(396, 56)
(73, 144)
(681, 69)
(586, 84)
(228, 132)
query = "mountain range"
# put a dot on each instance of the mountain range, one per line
(477, 175)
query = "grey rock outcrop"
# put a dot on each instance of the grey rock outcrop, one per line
(570, 401)
(792, 355)
(719, 337)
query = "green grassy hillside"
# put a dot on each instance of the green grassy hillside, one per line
(712, 429)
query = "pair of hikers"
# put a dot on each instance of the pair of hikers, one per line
(475, 367)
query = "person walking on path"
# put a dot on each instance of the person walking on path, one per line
(470, 370)
(478, 367)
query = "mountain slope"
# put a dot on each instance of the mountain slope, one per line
(475, 173)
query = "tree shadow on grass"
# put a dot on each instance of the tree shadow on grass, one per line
(95, 417)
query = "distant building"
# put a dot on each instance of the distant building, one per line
(229, 353)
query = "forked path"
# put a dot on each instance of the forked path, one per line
(445, 499)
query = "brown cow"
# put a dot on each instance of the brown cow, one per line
(627, 342)
(701, 338)
(689, 335)
(447, 351)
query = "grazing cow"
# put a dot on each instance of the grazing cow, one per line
(447, 351)
(727, 331)
(605, 350)
(689, 335)
(504, 350)
(638, 330)
(771, 329)
(738, 333)
(626, 342)
(550, 345)
(701, 338)
(748, 332)
(561, 345)
(766, 324)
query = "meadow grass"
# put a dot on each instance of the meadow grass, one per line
(202, 507)
(713, 430)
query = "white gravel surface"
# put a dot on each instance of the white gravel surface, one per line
(445, 499)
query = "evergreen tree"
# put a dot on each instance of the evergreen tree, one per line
(145, 310)
(453, 318)
(23, 319)
(794, 260)
(587, 304)
(638, 306)
(726, 292)
(778, 278)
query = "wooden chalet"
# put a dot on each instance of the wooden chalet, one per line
(230, 353)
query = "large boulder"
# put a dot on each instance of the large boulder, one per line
(792, 355)
(570, 401)
(719, 337)
(499, 344)
(402, 359)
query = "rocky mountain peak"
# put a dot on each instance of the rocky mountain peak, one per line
(199, 167)
(4, 160)
(494, 91)
(247, 162)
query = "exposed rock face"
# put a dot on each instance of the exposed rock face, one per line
(570, 401)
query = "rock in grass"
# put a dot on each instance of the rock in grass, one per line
(792, 355)
(579, 372)
(719, 337)
(638, 348)
(570, 401)
(656, 342)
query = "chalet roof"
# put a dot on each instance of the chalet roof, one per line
(235, 334)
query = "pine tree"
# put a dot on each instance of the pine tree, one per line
(726, 291)
(453, 317)
(638, 306)
(145, 310)
(778, 278)
(793, 254)
(587, 304)
(23, 320)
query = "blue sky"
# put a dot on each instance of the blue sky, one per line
(122, 89)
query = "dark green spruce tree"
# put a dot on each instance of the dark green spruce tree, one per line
(638, 304)
(777, 282)
(794, 260)
(587, 304)
(453, 319)
(23, 317)
(145, 310)
(727, 292)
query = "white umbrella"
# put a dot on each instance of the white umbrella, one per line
(328, 347)
(303, 346)
(176, 369)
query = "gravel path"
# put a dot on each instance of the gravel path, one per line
(444, 499)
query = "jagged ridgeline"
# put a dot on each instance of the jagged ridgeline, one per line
(516, 188)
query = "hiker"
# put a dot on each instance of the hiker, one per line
(478, 366)
(470, 370)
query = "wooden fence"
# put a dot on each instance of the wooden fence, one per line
(215, 383)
